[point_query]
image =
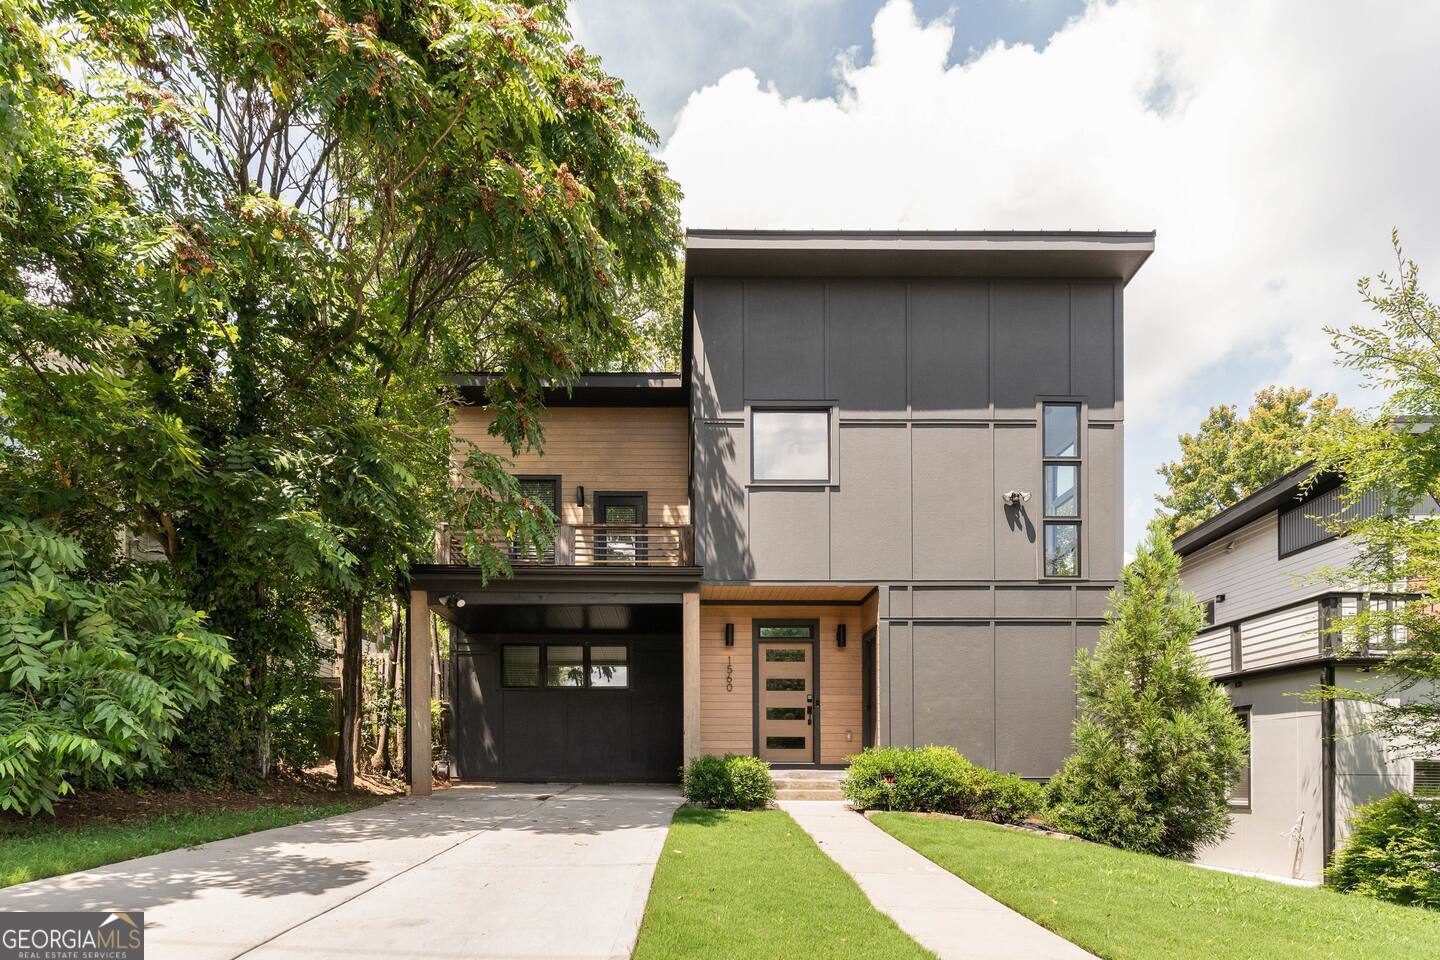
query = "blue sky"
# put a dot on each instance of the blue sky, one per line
(1272, 144)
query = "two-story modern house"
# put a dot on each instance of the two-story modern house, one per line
(880, 503)
(1264, 569)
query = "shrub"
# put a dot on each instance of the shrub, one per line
(1393, 853)
(1157, 745)
(96, 676)
(1005, 798)
(732, 782)
(936, 780)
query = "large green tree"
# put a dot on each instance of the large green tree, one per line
(1394, 458)
(245, 244)
(1157, 744)
(1232, 455)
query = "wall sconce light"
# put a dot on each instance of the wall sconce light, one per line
(840, 635)
(1219, 598)
(729, 634)
(580, 497)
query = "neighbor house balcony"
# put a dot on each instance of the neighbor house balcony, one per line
(593, 545)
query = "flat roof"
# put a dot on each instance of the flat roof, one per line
(1061, 254)
(657, 389)
(1270, 497)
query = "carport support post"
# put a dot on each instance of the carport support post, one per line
(418, 691)
(690, 640)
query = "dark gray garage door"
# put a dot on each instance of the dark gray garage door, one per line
(597, 708)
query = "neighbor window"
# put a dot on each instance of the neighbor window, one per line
(1426, 779)
(520, 665)
(1060, 445)
(1240, 793)
(790, 445)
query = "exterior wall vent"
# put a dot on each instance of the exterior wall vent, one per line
(1318, 519)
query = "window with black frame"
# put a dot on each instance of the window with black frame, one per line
(1239, 796)
(539, 491)
(1060, 440)
(565, 665)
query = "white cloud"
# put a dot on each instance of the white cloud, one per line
(1272, 145)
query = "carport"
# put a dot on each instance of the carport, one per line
(558, 674)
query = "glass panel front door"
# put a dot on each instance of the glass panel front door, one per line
(786, 702)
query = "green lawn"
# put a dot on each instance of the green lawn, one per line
(1129, 906)
(33, 851)
(755, 885)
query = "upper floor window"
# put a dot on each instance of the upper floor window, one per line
(1060, 441)
(790, 445)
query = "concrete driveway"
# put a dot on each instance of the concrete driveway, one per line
(514, 871)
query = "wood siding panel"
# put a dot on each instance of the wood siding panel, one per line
(602, 449)
(727, 717)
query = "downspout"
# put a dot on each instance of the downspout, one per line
(1327, 766)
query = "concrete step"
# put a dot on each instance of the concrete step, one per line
(792, 793)
(809, 775)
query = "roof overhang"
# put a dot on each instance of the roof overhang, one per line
(593, 390)
(1272, 497)
(1094, 255)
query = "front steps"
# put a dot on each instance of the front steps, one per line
(807, 784)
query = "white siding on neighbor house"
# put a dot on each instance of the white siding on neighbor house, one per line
(1252, 576)
(1213, 649)
(1282, 834)
(1292, 634)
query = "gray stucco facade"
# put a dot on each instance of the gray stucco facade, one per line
(934, 368)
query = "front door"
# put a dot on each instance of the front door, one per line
(787, 703)
(623, 510)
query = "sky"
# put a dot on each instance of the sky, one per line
(1272, 144)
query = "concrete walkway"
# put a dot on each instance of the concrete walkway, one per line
(939, 910)
(514, 871)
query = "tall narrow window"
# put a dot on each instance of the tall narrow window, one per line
(1060, 440)
(538, 492)
(1240, 793)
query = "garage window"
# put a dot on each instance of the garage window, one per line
(520, 665)
(565, 665)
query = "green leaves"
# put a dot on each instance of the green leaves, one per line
(93, 677)
(1157, 745)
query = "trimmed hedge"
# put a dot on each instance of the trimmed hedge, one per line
(937, 780)
(1393, 853)
(731, 782)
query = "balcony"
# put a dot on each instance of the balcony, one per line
(594, 545)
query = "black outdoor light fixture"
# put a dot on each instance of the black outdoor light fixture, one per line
(840, 635)
(580, 497)
(729, 634)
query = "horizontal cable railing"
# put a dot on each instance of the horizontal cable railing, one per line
(592, 545)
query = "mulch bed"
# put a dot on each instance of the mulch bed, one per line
(98, 807)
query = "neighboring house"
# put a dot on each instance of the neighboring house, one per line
(1258, 569)
(880, 504)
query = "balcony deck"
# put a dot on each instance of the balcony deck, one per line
(614, 545)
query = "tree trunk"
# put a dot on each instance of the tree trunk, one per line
(382, 759)
(351, 680)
